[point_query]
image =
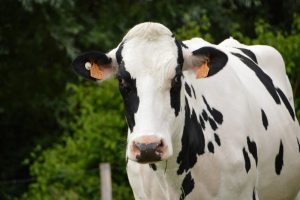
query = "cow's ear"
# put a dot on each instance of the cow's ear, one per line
(93, 65)
(205, 61)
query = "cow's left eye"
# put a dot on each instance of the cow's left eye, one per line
(176, 80)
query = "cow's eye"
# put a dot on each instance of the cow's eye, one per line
(122, 83)
(176, 80)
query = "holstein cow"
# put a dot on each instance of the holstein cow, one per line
(204, 121)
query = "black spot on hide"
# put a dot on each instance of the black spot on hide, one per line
(262, 76)
(193, 91)
(268, 83)
(176, 81)
(210, 147)
(286, 103)
(131, 102)
(192, 141)
(279, 160)
(119, 56)
(180, 59)
(253, 149)
(188, 89)
(217, 115)
(204, 115)
(128, 90)
(153, 166)
(187, 186)
(247, 160)
(253, 194)
(298, 144)
(249, 53)
(182, 44)
(202, 122)
(212, 124)
(217, 139)
(264, 119)
(175, 93)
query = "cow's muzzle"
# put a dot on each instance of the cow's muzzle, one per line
(148, 149)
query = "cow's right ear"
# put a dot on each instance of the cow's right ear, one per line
(205, 61)
(93, 65)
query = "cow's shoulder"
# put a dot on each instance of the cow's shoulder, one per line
(265, 57)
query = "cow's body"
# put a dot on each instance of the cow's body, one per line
(238, 94)
(234, 135)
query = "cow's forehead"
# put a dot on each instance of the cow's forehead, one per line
(152, 51)
(157, 58)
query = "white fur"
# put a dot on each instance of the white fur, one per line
(148, 31)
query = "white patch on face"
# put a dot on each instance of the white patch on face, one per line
(155, 58)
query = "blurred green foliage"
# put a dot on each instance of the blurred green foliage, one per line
(55, 127)
(94, 131)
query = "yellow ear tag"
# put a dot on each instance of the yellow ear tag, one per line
(202, 71)
(96, 71)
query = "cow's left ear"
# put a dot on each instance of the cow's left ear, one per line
(93, 65)
(205, 61)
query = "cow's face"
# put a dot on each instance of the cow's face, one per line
(149, 77)
(148, 64)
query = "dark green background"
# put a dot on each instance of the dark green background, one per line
(55, 127)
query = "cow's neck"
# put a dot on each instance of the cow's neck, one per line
(197, 136)
(173, 171)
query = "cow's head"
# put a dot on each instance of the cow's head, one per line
(149, 64)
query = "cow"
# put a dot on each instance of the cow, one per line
(205, 121)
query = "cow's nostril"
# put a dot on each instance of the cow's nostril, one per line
(135, 148)
(160, 147)
(161, 144)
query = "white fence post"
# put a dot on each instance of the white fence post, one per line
(105, 176)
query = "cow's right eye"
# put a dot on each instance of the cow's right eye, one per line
(122, 83)
(126, 83)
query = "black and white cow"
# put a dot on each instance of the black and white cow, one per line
(205, 121)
